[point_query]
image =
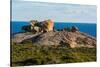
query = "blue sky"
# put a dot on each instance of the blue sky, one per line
(26, 11)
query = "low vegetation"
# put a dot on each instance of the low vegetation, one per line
(29, 54)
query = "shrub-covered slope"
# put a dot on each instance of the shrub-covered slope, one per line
(29, 54)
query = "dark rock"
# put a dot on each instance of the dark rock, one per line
(74, 29)
(26, 28)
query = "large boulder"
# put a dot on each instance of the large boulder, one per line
(35, 26)
(33, 22)
(43, 26)
(47, 25)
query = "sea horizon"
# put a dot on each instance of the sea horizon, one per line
(62, 22)
(88, 28)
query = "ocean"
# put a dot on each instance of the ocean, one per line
(87, 28)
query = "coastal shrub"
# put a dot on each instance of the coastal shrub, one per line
(32, 54)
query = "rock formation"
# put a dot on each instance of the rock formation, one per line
(47, 25)
(43, 26)
(67, 37)
(58, 38)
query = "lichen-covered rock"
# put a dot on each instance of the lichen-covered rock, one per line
(47, 25)
(36, 26)
(33, 22)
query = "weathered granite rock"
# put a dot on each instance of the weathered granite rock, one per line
(33, 22)
(47, 25)
(58, 38)
(36, 26)
(21, 37)
(66, 38)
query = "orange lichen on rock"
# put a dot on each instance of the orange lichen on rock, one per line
(48, 25)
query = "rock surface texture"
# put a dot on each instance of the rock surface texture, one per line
(58, 38)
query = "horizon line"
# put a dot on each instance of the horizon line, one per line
(63, 22)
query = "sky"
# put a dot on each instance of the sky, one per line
(58, 12)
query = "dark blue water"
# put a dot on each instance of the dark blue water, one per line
(83, 27)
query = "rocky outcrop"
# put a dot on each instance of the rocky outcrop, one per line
(65, 38)
(58, 38)
(45, 35)
(21, 37)
(36, 26)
